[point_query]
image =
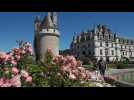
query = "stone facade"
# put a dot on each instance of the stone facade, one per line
(46, 36)
(101, 42)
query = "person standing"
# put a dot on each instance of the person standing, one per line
(102, 66)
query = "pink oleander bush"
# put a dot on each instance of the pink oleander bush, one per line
(59, 71)
(17, 69)
(13, 69)
(72, 68)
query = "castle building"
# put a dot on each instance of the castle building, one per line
(46, 35)
(101, 42)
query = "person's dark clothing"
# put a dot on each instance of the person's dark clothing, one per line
(102, 67)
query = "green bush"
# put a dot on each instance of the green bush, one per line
(48, 75)
(112, 66)
(90, 67)
(121, 66)
(53, 79)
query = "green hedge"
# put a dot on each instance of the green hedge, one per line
(90, 67)
(112, 66)
(120, 66)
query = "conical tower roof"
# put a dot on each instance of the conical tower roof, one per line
(47, 22)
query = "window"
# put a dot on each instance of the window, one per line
(107, 44)
(98, 35)
(131, 54)
(84, 53)
(106, 51)
(89, 53)
(112, 45)
(101, 52)
(123, 53)
(109, 36)
(112, 52)
(100, 44)
(78, 47)
(125, 46)
(88, 45)
(121, 46)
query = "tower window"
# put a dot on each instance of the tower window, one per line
(101, 52)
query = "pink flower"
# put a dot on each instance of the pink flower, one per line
(15, 70)
(4, 57)
(29, 79)
(81, 69)
(6, 85)
(29, 50)
(15, 81)
(49, 49)
(16, 50)
(23, 51)
(7, 57)
(72, 76)
(83, 75)
(17, 57)
(11, 58)
(14, 63)
(24, 73)
(55, 60)
(1, 81)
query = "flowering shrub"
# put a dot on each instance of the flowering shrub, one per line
(72, 68)
(13, 69)
(18, 70)
(59, 71)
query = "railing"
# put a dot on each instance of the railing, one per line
(124, 79)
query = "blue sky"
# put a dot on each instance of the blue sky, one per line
(20, 25)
